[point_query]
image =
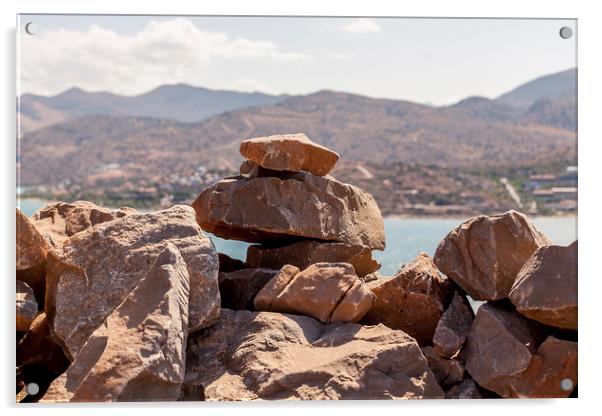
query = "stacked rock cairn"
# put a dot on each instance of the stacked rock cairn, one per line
(116, 305)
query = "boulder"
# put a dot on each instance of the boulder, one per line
(484, 254)
(447, 372)
(96, 269)
(504, 354)
(60, 220)
(413, 301)
(305, 253)
(39, 358)
(453, 327)
(26, 306)
(272, 210)
(238, 289)
(546, 287)
(289, 152)
(467, 389)
(328, 292)
(31, 250)
(271, 356)
(138, 353)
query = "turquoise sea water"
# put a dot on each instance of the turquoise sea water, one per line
(405, 237)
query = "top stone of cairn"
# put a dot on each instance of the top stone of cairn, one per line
(289, 152)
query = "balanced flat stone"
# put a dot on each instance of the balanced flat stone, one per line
(272, 210)
(138, 353)
(546, 287)
(412, 301)
(97, 269)
(328, 292)
(305, 253)
(484, 254)
(272, 356)
(289, 152)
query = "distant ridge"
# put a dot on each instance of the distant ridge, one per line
(561, 85)
(180, 102)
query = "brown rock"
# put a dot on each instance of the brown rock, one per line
(238, 289)
(27, 307)
(269, 209)
(504, 355)
(447, 372)
(412, 301)
(138, 353)
(40, 359)
(249, 356)
(467, 389)
(99, 267)
(61, 220)
(546, 287)
(227, 264)
(289, 152)
(305, 253)
(453, 327)
(247, 167)
(31, 256)
(484, 254)
(326, 291)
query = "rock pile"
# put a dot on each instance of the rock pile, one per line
(116, 305)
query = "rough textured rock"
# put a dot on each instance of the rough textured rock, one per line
(447, 372)
(328, 292)
(26, 306)
(99, 267)
(546, 287)
(138, 353)
(504, 354)
(227, 264)
(484, 254)
(40, 359)
(249, 355)
(467, 389)
(289, 152)
(269, 209)
(61, 220)
(247, 167)
(453, 327)
(412, 301)
(305, 253)
(238, 289)
(31, 255)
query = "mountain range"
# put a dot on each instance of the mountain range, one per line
(103, 135)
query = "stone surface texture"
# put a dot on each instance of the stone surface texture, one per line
(484, 254)
(26, 306)
(453, 327)
(546, 287)
(413, 301)
(98, 268)
(138, 353)
(250, 356)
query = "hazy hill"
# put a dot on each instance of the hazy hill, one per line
(178, 102)
(359, 128)
(561, 85)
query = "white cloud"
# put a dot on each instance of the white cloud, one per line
(361, 25)
(341, 56)
(163, 52)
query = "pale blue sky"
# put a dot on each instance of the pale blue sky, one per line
(435, 61)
